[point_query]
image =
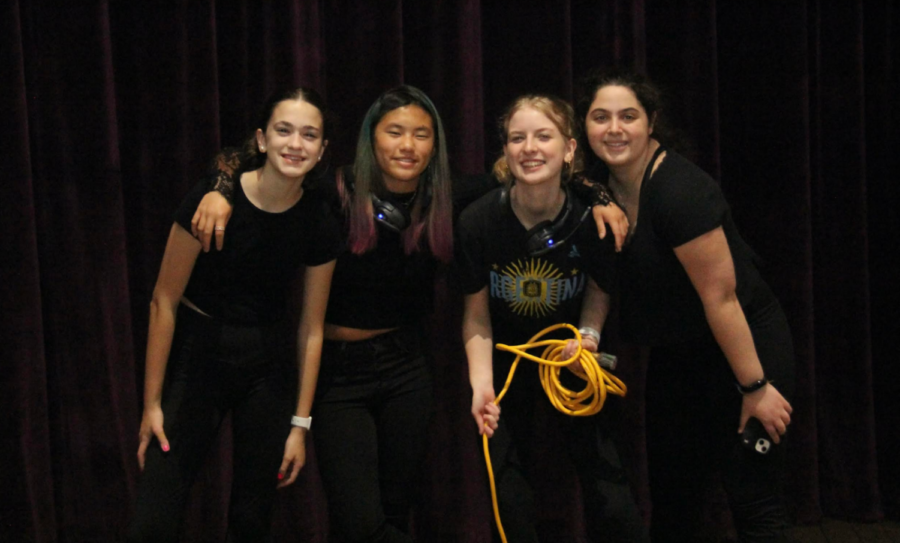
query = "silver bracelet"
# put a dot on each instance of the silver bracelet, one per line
(301, 422)
(590, 332)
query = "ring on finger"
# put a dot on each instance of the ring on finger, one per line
(219, 229)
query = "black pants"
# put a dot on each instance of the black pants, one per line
(693, 412)
(609, 508)
(214, 369)
(372, 411)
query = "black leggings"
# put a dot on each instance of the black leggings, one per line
(693, 411)
(214, 369)
(372, 410)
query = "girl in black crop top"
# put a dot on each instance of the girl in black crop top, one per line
(374, 397)
(228, 349)
(721, 355)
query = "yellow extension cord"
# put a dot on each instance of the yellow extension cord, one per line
(589, 401)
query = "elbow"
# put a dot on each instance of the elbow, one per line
(154, 307)
(160, 303)
(722, 295)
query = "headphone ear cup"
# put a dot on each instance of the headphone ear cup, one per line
(393, 217)
(539, 239)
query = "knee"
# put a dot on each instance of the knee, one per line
(613, 515)
(516, 497)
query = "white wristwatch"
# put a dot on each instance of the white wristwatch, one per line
(302, 422)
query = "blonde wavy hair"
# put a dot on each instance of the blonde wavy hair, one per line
(563, 117)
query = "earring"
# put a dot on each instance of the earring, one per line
(262, 148)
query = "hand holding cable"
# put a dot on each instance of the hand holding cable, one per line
(589, 401)
(598, 381)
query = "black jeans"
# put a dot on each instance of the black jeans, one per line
(693, 411)
(214, 369)
(372, 411)
(609, 508)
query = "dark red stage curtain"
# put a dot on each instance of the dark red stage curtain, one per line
(113, 109)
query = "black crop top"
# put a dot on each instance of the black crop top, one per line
(386, 288)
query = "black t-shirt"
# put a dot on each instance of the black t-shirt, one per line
(247, 281)
(659, 305)
(527, 294)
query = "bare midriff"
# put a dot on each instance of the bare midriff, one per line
(334, 332)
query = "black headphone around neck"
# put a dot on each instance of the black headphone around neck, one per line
(392, 215)
(542, 237)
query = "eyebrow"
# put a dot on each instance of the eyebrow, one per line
(608, 111)
(306, 127)
(538, 131)
(404, 127)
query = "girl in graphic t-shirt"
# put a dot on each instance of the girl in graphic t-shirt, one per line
(517, 282)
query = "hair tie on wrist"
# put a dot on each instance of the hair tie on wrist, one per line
(752, 387)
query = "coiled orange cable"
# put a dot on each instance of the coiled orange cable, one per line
(586, 402)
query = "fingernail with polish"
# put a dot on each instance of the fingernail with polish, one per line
(280, 476)
(165, 448)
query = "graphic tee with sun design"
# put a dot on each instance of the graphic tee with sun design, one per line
(528, 293)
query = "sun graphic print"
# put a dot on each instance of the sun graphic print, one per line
(532, 287)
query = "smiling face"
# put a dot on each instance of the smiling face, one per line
(293, 140)
(618, 128)
(535, 148)
(403, 145)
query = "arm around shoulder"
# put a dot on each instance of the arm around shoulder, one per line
(214, 210)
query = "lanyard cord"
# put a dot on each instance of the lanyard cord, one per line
(589, 401)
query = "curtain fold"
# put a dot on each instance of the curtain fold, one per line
(843, 346)
(882, 24)
(765, 156)
(29, 506)
(115, 109)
